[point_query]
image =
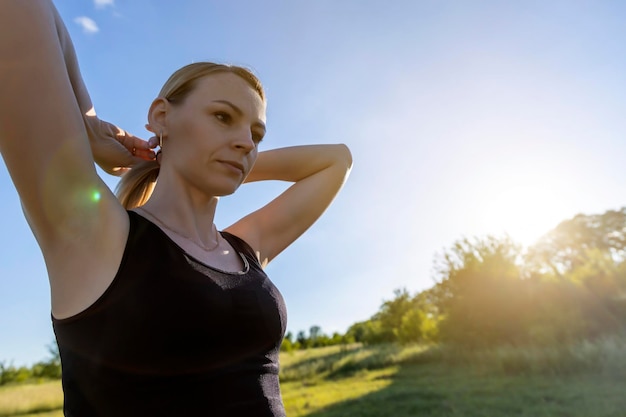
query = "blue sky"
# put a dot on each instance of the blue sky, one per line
(464, 118)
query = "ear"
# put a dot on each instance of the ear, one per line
(157, 120)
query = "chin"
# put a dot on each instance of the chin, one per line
(224, 191)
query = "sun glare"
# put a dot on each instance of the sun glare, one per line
(524, 211)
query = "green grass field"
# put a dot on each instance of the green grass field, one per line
(44, 400)
(588, 380)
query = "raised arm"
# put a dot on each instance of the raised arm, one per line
(114, 149)
(45, 145)
(43, 139)
(318, 173)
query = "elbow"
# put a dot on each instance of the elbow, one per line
(344, 156)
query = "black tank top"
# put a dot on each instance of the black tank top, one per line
(174, 337)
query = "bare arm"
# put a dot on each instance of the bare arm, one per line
(41, 128)
(45, 145)
(71, 64)
(318, 173)
(114, 149)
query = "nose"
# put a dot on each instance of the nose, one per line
(243, 140)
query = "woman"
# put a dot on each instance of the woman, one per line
(156, 312)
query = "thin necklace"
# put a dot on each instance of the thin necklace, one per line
(200, 245)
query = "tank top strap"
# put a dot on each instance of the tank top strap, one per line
(243, 247)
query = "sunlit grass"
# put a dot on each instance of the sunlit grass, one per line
(605, 357)
(304, 397)
(581, 380)
(338, 361)
(58, 413)
(434, 390)
(31, 398)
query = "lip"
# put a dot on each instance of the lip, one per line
(235, 165)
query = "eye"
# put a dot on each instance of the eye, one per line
(257, 137)
(223, 117)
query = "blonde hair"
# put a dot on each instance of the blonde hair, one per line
(136, 186)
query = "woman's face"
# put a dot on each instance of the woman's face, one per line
(213, 135)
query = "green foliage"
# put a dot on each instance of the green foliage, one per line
(391, 315)
(569, 287)
(12, 374)
(287, 345)
(579, 275)
(48, 369)
(316, 338)
(571, 243)
(368, 332)
(482, 295)
(404, 319)
(417, 326)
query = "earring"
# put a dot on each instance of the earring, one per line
(161, 139)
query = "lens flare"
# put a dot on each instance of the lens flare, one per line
(95, 196)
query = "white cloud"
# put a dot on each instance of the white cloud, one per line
(88, 25)
(101, 4)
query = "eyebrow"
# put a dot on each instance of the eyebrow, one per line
(240, 112)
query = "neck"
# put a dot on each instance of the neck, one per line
(190, 214)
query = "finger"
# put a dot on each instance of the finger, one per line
(153, 142)
(144, 154)
(131, 149)
(130, 141)
(140, 143)
(137, 147)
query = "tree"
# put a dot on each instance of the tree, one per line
(287, 345)
(569, 245)
(302, 340)
(421, 322)
(481, 294)
(51, 367)
(368, 332)
(391, 314)
(410, 329)
(580, 270)
(315, 332)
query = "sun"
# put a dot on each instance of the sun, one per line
(525, 210)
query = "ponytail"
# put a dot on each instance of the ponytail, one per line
(136, 186)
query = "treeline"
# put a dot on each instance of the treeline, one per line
(46, 369)
(315, 338)
(570, 286)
